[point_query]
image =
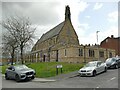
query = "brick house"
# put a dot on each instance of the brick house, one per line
(112, 43)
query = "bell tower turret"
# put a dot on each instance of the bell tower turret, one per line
(67, 13)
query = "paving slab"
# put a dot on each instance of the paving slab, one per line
(43, 80)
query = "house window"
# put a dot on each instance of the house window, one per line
(91, 53)
(80, 52)
(101, 53)
(110, 54)
(40, 54)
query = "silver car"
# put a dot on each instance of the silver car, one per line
(92, 68)
(19, 72)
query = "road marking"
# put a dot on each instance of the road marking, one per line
(113, 78)
(97, 87)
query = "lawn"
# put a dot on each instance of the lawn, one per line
(48, 69)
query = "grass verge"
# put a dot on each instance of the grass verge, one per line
(48, 69)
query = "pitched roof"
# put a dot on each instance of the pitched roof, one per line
(53, 32)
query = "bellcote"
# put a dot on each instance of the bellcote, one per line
(67, 13)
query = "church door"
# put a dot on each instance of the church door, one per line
(43, 58)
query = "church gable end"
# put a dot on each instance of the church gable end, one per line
(68, 35)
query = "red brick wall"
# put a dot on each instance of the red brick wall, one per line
(111, 43)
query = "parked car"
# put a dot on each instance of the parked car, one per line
(19, 72)
(1, 64)
(92, 68)
(113, 62)
(9, 63)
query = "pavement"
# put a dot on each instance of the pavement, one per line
(55, 78)
(65, 76)
(42, 80)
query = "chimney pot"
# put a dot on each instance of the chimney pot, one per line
(112, 36)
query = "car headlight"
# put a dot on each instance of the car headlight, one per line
(89, 70)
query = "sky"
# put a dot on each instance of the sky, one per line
(87, 16)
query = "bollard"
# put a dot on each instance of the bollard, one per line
(57, 69)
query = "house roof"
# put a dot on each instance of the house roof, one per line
(53, 32)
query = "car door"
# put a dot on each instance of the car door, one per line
(102, 66)
(118, 62)
(11, 72)
(98, 68)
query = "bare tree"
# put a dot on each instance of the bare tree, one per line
(22, 31)
(9, 45)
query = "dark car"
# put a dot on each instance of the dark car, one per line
(113, 62)
(19, 73)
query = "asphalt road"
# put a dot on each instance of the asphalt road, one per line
(103, 80)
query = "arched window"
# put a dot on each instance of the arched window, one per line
(91, 53)
(80, 52)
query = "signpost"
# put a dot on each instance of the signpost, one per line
(57, 68)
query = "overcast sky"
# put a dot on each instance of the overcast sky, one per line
(87, 16)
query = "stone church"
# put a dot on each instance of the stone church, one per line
(61, 44)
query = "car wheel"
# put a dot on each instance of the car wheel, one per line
(17, 79)
(94, 73)
(116, 66)
(32, 77)
(105, 69)
(6, 77)
(80, 75)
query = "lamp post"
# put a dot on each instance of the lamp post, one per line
(97, 35)
(118, 46)
(97, 44)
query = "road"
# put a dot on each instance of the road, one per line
(103, 80)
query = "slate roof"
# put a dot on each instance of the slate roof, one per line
(53, 32)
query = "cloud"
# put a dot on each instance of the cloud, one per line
(87, 17)
(41, 29)
(91, 38)
(39, 12)
(112, 30)
(97, 6)
(113, 16)
(84, 25)
(46, 15)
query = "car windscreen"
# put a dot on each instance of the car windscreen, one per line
(111, 60)
(21, 67)
(90, 64)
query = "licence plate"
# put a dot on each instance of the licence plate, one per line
(29, 75)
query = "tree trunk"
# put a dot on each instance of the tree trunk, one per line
(21, 48)
(12, 55)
